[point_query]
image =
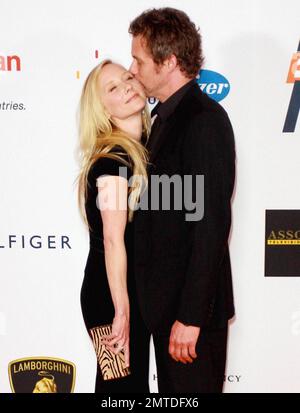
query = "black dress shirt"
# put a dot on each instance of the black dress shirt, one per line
(163, 110)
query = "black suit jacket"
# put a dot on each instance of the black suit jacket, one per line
(182, 268)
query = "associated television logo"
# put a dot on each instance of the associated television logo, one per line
(294, 105)
(215, 85)
(282, 243)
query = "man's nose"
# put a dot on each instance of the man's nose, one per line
(133, 68)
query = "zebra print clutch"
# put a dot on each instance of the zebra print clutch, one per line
(112, 365)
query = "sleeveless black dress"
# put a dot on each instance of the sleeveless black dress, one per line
(96, 302)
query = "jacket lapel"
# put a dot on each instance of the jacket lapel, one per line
(161, 138)
(175, 118)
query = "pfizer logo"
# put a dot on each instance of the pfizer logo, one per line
(215, 85)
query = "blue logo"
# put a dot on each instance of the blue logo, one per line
(215, 85)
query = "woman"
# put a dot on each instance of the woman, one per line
(113, 120)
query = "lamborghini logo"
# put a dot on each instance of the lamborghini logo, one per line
(41, 375)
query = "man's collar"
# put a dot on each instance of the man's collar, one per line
(166, 108)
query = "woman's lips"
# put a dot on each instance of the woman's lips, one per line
(132, 97)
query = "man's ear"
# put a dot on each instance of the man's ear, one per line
(171, 63)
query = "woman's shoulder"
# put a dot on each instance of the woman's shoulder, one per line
(107, 165)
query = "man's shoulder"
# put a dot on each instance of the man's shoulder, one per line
(202, 119)
(200, 102)
(198, 105)
(197, 109)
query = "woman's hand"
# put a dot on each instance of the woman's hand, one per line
(119, 338)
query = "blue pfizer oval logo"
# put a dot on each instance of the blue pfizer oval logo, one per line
(215, 85)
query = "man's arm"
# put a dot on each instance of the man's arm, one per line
(209, 151)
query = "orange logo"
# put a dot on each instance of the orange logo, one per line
(294, 70)
(10, 63)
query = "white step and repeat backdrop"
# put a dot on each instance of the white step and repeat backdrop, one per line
(46, 50)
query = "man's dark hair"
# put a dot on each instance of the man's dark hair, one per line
(168, 31)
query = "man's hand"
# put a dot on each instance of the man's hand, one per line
(182, 344)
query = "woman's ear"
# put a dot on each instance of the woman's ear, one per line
(107, 114)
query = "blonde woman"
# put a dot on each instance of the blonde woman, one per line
(113, 123)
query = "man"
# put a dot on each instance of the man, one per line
(183, 269)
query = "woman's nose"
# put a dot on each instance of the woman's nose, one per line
(128, 87)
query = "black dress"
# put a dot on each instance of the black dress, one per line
(96, 302)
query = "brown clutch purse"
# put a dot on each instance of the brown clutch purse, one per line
(112, 365)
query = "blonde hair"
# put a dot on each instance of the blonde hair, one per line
(98, 136)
